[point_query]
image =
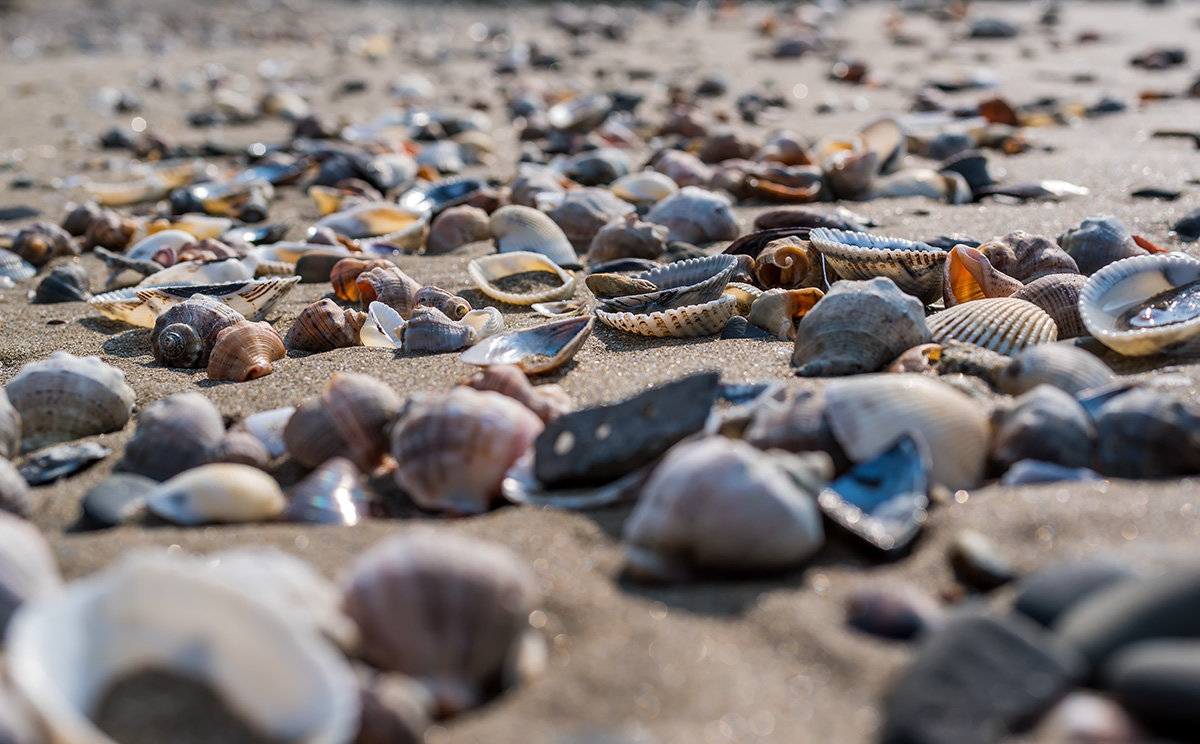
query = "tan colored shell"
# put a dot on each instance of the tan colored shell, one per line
(968, 275)
(526, 230)
(456, 227)
(680, 322)
(184, 335)
(173, 435)
(1002, 324)
(389, 222)
(452, 450)
(346, 420)
(486, 270)
(1058, 295)
(1128, 284)
(1065, 367)
(745, 294)
(777, 310)
(450, 304)
(324, 326)
(218, 493)
(605, 286)
(245, 351)
(10, 428)
(345, 273)
(783, 263)
(919, 359)
(240, 447)
(644, 187)
(1026, 257)
(389, 285)
(65, 397)
(867, 413)
(915, 267)
(547, 401)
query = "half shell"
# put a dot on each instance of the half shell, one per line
(1145, 305)
(1058, 295)
(694, 281)
(66, 397)
(535, 350)
(1002, 324)
(693, 320)
(968, 275)
(486, 270)
(915, 267)
(252, 298)
(517, 228)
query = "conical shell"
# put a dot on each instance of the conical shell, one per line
(345, 273)
(1098, 241)
(389, 285)
(184, 335)
(245, 351)
(28, 571)
(859, 326)
(141, 307)
(485, 271)
(547, 401)
(1065, 367)
(65, 283)
(452, 450)
(868, 413)
(777, 310)
(693, 281)
(1002, 324)
(1027, 257)
(915, 267)
(173, 435)
(66, 397)
(456, 227)
(10, 428)
(535, 350)
(968, 275)
(323, 326)
(1058, 295)
(680, 322)
(695, 216)
(219, 493)
(517, 228)
(346, 420)
(1115, 297)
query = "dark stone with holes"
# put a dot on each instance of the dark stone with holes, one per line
(1159, 683)
(1046, 595)
(976, 679)
(118, 500)
(610, 441)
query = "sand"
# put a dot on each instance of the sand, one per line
(764, 659)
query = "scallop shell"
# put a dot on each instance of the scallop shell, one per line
(10, 428)
(695, 216)
(1117, 295)
(245, 351)
(486, 270)
(968, 275)
(915, 267)
(1045, 424)
(1065, 367)
(1001, 324)
(14, 267)
(65, 283)
(523, 229)
(386, 222)
(28, 571)
(347, 420)
(456, 227)
(1027, 257)
(323, 326)
(1058, 295)
(777, 310)
(1098, 241)
(452, 450)
(141, 307)
(535, 350)
(694, 281)
(184, 335)
(173, 435)
(547, 401)
(217, 493)
(66, 397)
(644, 187)
(627, 238)
(681, 322)
(449, 611)
(859, 326)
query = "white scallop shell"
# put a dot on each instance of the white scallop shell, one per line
(915, 267)
(141, 306)
(1123, 285)
(680, 322)
(487, 269)
(1003, 324)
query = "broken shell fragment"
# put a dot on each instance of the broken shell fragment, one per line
(488, 271)
(535, 350)
(252, 298)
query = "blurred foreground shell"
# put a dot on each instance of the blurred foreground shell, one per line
(28, 570)
(1145, 305)
(217, 493)
(14, 491)
(1001, 324)
(547, 401)
(488, 271)
(916, 268)
(173, 435)
(245, 351)
(323, 326)
(332, 494)
(346, 420)
(184, 335)
(42, 241)
(66, 397)
(10, 428)
(524, 229)
(535, 350)
(1045, 424)
(1148, 434)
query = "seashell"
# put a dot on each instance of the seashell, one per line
(680, 322)
(868, 413)
(486, 271)
(895, 614)
(560, 310)
(777, 310)
(344, 276)
(395, 708)
(915, 267)
(1044, 423)
(807, 217)
(14, 267)
(220, 271)
(332, 494)
(535, 350)
(919, 359)
(173, 435)
(581, 113)
(1001, 324)
(694, 281)
(267, 427)
(1144, 305)
(745, 294)
(184, 335)
(314, 267)
(547, 401)
(848, 166)
(392, 223)
(65, 397)
(79, 218)
(430, 329)
(783, 263)
(583, 212)
(968, 275)
(389, 285)
(684, 168)
(28, 570)
(1065, 367)
(695, 215)
(156, 617)
(598, 167)
(14, 493)
(148, 247)
(110, 230)
(449, 611)
(643, 188)
(523, 229)
(453, 306)
(720, 505)
(141, 307)
(785, 147)
(946, 186)
(452, 450)
(323, 326)
(885, 138)
(346, 420)
(244, 351)
(240, 447)
(859, 326)
(1147, 434)
(1098, 241)
(607, 286)
(383, 327)
(627, 238)
(65, 283)
(42, 241)
(60, 461)
(456, 227)
(534, 182)
(10, 428)
(1027, 257)
(216, 494)
(1058, 295)
(441, 195)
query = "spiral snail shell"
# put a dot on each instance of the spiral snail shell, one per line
(184, 335)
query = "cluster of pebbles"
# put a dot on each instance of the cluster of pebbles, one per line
(930, 368)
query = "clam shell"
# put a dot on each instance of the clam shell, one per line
(1065, 367)
(524, 229)
(681, 322)
(915, 267)
(535, 350)
(486, 270)
(245, 351)
(1002, 324)
(694, 281)
(1127, 286)
(347, 420)
(695, 216)
(968, 275)
(173, 435)
(252, 298)
(65, 397)
(14, 267)
(1058, 295)
(644, 187)
(10, 428)
(28, 571)
(218, 493)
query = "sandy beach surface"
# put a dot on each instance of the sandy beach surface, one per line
(760, 659)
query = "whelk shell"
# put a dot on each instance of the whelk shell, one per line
(218, 493)
(485, 271)
(524, 229)
(968, 275)
(777, 310)
(141, 307)
(245, 351)
(430, 329)
(535, 350)
(915, 267)
(184, 335)
(1145, 305)
(694, 281)
(347, 420)
(65, 397)
(323, 326)
(681, 322)
(783, 263)
(1001, 324)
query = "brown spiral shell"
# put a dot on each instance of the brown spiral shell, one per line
(347, 420)
(323, 326)
(42, 241)
(783, 263)
(184, 335)
(451, 305)
(391, 286)
(345, 273)
(245, 351)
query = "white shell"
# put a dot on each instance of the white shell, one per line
(1127, 283)
(145, 248)
(517, 228)
(138, 306)
(680, 322)
(27, 567)
(1002, 324)
(487, 269)
(382, 221)
(222, 492)
(201, 272)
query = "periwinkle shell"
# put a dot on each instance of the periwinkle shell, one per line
(185, 334)
(66, 397)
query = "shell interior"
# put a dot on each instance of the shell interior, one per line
(1145, 304)
(535, 350)
(486, 271)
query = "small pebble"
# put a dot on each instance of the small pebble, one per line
(977, 563)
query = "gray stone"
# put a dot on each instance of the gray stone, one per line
(1046, 595)
(1159, 683)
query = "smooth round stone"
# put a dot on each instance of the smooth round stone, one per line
(1046, 595)
(120, 499)
(1159, 683)
(892, 614)
(978, 563)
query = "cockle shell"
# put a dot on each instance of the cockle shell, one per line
(547, 401)
(777, 310)
(1098, 241)
(1145, 305)
(695, 216)
(245, 351)
(723, 506)
(784, 263)
(1001, 324)
(627, 238)
(456, 227)
(347, 420)
(402, 226)
(915, 267)
(517, 228)
(485, 271)
(449, 611)
(66, 397)
(681, 322)
(1058, 295)
(173, 435)
(218, 493)
(64, 283)
(644, 187)
(142, 306)
(452, 450)
(693, 281)
(323, 326)
(1027, 257)
(10, 428)
(583, 212)
(859, 326)
(28, 571)
(1065, 367)
(968, 275)
(345, 273)
(184, 335)
(535, 350)
(1046, 424)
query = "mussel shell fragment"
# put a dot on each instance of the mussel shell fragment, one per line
(535, 350)
(54, 463)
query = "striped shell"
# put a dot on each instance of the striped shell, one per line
(517, 228)
(915, 267)
(141, 306)
(1065, 367)
(680, 284)
(486, 270)
(184, 335)
(1002, 324)
(323, 326)
(432, 330)
(245, 351)
(1058, 295)
(65, 397)
(1127, 286)
(680, 322)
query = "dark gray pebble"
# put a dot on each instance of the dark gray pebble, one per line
(1046, 595)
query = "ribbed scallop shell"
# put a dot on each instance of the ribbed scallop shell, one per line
(517, 228)
(869, 412)
(1058, 295)
(345, 273)
(453, 449)
(324, 326)
(694, 281)
(915, 267)
(173, 435)
(486, 270)
(1001, 324)
(141, 306)
(10, 428)
(535, 350)
(1065, 367)
(968, 275)
(346, 420)
(184, 335)
(681, 322)
(1127, 285)
(245, 351)
(66, 397)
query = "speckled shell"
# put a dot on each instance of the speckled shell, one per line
(66, 397)
(1065, 367)
(141, 306)
(486, 270)
(28, 570)
(65, 283)
(693, 281)
(627, 238)
(346, 420)
(323, 326)
(456, 227)
(536, 350)
(1128, 283)
(968, 275)
(245, 351)
(389, 285)
(1026, 257)
(218, 493)
(721, 505)
(777, 310)
(517, 228)
(184, 335)
(14, 491)
(1045, 424)
(681, 322)
(345, 273)
(547, 401)
(173, 435)
(696, 216)
(783, 263)
(452, 450)
(1002, 324)
(859, 326)
(1058, 295)
(10, 428)
(915, 267)
(1098, 241)
(583, 212)
(644, 187)
(449, 611)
